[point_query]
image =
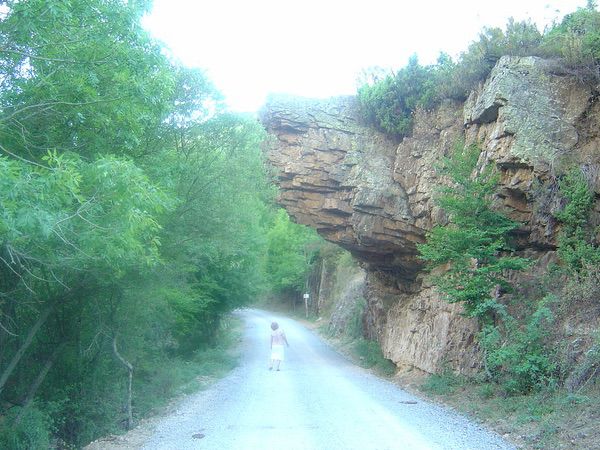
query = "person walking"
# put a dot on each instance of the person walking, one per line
(278, 339)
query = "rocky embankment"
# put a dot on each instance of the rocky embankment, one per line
(373, 195)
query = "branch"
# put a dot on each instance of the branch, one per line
(17, 274)
(23, 159)
(63, 103)
(7, 331)
(28, 340)
(118, 355)
(42, 58)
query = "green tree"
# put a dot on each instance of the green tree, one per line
(475, 250)
(132, 216)
(291, 249)
(215, 235)
(475, 243)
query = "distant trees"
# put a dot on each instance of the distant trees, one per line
(292, 249)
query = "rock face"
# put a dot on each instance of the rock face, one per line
(336, 175)
(373, 195)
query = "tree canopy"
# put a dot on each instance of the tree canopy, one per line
(134, 214)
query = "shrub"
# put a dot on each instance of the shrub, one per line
(354, 327)
(389, 103)
(518, 355)
(32, 431)
(587, 370)
(576, 40)
(575, 246)
(370, 356)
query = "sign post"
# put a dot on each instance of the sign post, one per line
(306, 297)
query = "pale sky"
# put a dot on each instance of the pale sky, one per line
(317, 48)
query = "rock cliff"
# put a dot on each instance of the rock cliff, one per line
(372, 195)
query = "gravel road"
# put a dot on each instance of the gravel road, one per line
(319, 400)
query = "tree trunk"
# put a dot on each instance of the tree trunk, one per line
(319, 300)
(38, 380)
(28, 340)
(129, 387)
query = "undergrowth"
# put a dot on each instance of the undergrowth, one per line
(549, 418)
(182, 376)
(370, 356)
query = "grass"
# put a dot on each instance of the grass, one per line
(368, 354)
(155, 390)
(550, 419)
(445, 383)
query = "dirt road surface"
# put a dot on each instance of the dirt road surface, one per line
(318, 401)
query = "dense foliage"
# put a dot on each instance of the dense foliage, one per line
(389, 101)
(474, 261)
(134, 214)
(291, 252)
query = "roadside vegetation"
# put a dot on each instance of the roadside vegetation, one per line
(545, 419)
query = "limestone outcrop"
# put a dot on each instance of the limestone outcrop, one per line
(373, 195)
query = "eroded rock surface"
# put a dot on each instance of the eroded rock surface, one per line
(374, 196)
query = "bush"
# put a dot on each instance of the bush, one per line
(370, 356)
(518, 356)
(32, 432)
(354, 327)
(576, 40)
(575, 246)
(389, 102)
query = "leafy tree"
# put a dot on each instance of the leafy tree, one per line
(291, 249)
(132, 216)
(474, 242)
(475, 251)
(215, 169)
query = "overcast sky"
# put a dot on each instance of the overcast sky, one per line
(316, 48)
